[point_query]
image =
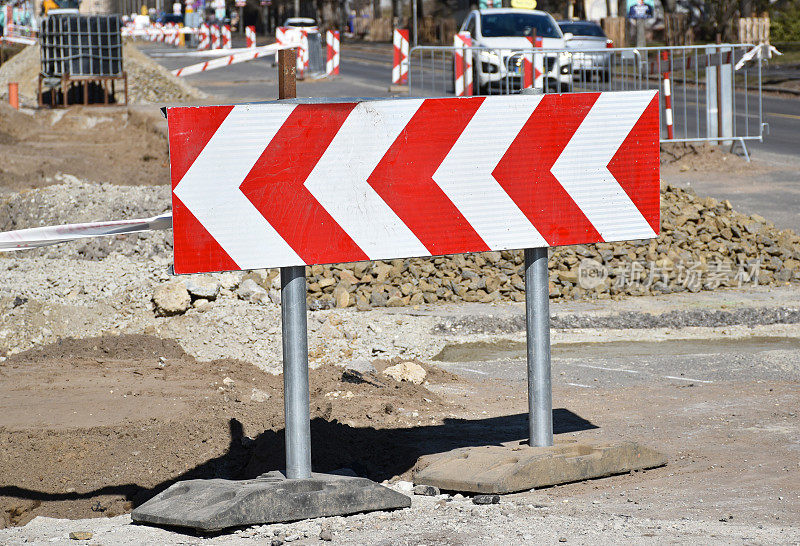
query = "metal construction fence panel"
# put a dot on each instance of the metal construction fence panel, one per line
(692, 81)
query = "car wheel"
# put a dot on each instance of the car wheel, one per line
(477, 88)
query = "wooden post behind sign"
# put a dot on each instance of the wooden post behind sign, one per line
(287, 73)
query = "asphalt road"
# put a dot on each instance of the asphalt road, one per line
(365, 72)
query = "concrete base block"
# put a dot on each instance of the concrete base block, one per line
(508, 469)
(211, 505)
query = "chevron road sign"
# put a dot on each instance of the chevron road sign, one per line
(285, 184)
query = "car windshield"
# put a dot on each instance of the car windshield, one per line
(494, 25)
(291, 23)
(579, 29)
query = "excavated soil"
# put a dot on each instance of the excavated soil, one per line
(119, 145)
(93, 427)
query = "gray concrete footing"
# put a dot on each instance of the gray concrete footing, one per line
(212, 505)
(512, 468)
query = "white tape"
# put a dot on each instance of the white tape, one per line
(18, 40)
(761, 51)
(24, 239)
(208, 52)
(248, 55)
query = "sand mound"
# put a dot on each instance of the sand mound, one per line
(147, 80)
(108, 145)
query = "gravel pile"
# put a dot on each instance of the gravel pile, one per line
(704, 244)
(148, 81)
(74, 201)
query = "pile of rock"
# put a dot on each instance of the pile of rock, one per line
(703, 245)
(148, 81)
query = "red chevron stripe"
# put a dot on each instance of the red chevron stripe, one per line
(403, 178)
(524, 171)
(188, 135)
(279, 175)
(636, 165)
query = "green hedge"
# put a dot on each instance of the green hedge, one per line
(785, 24)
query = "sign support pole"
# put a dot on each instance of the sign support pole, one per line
(294, 329)
(537, 325)
(295, 372)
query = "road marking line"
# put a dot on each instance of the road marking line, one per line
(687, 379)
(607, 369)
(788, 116)
(579, 385)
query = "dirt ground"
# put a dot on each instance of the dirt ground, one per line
(36, 147)
(92, 427)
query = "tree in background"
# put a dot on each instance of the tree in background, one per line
(785, 22)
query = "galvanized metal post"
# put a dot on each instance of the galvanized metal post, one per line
(641, 40)
(414, 18)
(295, 372)
(294, 330)
(537, 323)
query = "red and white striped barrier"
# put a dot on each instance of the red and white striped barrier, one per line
(225, 34)
(302, 55)
(176, 36)
(497, 173)
(333, 42)
(286, 36)
(400, 65)
(215, 37)
(170, 34)
(282, 35)
(463, 64)
(667, 97)
(24, 239)
(204, 37)
(533, 67)
(245, 54)
(250, 36)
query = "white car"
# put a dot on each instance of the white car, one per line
(501, 34)
(588, 36)
(301, 23)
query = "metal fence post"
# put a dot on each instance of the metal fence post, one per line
(294, 329)
(537, 324)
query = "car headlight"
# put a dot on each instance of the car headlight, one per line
(566, 69)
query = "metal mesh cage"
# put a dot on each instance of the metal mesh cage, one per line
(81, 45)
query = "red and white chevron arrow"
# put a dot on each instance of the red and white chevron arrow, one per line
(272, 185)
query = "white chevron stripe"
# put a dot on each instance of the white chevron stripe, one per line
(465, 175)
(210, 188)
(582, 168)
(339, 180)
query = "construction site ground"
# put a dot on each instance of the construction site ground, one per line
(91, 427)
(103, 404)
